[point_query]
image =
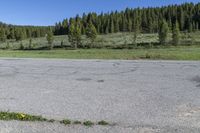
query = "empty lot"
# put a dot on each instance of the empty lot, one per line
(137, 96)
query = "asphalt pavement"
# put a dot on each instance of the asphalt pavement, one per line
(136, 96)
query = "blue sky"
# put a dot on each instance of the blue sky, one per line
(47, 12)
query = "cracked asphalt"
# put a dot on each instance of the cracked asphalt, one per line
(137, 96)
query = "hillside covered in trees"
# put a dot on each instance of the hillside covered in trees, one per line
(144, 20)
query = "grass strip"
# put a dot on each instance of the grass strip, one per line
(9, 116)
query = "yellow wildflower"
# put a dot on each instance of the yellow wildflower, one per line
(22, 115)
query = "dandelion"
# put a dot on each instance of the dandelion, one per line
(22, 116)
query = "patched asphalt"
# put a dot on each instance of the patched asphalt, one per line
(136, 96)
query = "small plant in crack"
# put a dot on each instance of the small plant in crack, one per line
(66, 122)
(20, 117)
(88, 123)
(103, 123)
(7, 116)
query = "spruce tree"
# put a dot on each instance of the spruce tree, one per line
(78, 36)
(65, 27)
(124, 24)
(130, 24)
(107, 29)
(190, 28)
(19, 35)
(11, 34)
(71, 36)
(136, 32)
(175, 34)
(112, 28)
(50, 39)
(2, 35)
(116, 26)
(181, 18)
(74, 36)
(91, 33)
(163, 32)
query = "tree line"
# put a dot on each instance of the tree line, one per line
(144, 20)
(19, 33)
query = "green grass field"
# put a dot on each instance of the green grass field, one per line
(190, 52)
(172, 53)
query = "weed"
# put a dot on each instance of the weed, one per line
(66, 122)
(103, 123)
(88, 123)
(20, 116)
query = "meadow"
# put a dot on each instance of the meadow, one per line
(110, 46)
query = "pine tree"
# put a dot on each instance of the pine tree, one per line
(116, 26)
(28, 33)
(112, 28)
(175, 34)
(136, 32)
(74, 35)
(190, 28)
(150, 26)
(181, 19)
(71, 35)
(163, 32)
(19, 35)
(78, 36)
(65, 27)
(130, 24)
(12, 34)
(24, 35)
(124, 24)
(91, 33)
(2, 35)
(107, 29)
(50, 39)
